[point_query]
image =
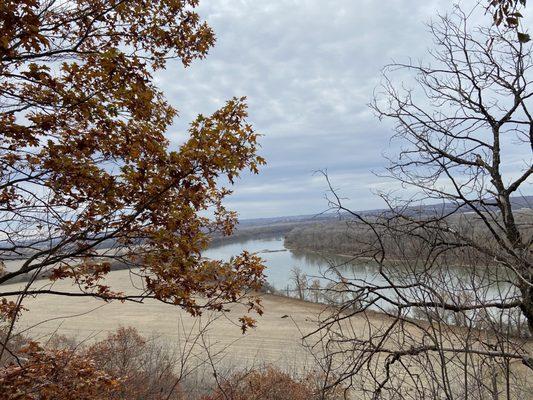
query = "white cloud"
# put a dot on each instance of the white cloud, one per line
(309, 69)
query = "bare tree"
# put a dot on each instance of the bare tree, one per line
(299, 278)
(315, 289)
(454, 279)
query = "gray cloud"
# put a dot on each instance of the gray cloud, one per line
(308, 68)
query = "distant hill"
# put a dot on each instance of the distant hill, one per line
(522, 202)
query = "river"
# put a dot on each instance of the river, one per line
(483, 284)
(467, 284)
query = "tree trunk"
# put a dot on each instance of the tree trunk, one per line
(527, 305)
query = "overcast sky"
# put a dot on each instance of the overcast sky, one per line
(308, 68)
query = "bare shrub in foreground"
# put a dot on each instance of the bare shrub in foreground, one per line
(268, 384)
(148, 368)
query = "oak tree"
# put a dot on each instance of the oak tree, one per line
(88, 179)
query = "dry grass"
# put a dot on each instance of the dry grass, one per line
(276, 340)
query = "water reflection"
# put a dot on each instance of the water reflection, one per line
(481, 283)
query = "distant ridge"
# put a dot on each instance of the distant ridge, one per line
(522, 202)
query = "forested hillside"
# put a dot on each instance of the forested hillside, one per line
(354, 238)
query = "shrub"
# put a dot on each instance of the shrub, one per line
(146, 367)
(266, 384)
